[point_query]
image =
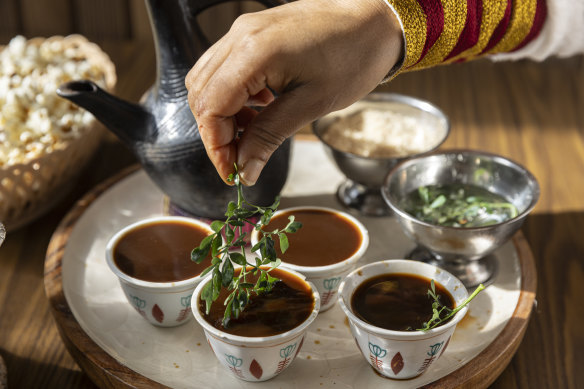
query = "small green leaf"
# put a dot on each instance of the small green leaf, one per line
(229, 234)
(207, 296)
(293, 227)
(260, 283)
(266, 217)
(242, 300)
(243, 213)
(271, 279)
(231, 207)
(206, 271)
(217, 225)
(236, 223)
(229, 298)
(227, 314)
(240, 241)
(238, 258)
(227, 273)
(277, 263)
(216, 245)
(258, 245)
(438, 202)
(217, 279)
(436, 319)
(283, 242)
(198, 254)
(206, 242)
(268, 251)
(423, 193)
(276, 203)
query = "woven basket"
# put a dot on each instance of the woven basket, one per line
(31, 189)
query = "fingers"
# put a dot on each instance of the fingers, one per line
(244, 117)
(263, 98)
(271, 127)
(218, 96)
(317, 56)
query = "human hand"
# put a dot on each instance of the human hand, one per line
(318, 55)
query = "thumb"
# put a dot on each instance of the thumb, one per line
(272, 126)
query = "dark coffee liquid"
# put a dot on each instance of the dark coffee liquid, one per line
(398, 302)
(325, 238)
(283, 308)
(161, 252)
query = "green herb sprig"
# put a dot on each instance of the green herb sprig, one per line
(454, 206)
(442, 313)
(228, 250)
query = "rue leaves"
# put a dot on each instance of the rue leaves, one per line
(441, 313)
(227, 246)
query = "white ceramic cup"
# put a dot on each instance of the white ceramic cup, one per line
(401, 354)
(163, 304)
(255, 358)
(326, 278)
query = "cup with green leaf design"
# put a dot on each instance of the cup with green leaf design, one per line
(257, 358)
(152, 260)
(400, 354)
(325, 249)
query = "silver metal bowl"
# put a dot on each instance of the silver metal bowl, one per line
(462, 251)
(362, 189)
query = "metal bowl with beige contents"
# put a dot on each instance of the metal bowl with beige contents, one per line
(367, 139)
(478, 189)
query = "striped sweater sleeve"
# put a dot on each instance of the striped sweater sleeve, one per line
(446, 31)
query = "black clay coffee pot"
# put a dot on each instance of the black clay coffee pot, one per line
(162, 131)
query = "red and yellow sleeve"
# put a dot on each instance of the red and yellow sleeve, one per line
(445, 31)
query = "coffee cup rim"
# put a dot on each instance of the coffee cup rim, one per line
(136, 282)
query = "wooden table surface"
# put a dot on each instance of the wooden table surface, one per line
(530, 112)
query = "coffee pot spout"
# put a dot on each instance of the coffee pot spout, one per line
(130, 122)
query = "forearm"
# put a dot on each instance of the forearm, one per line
(446, 31)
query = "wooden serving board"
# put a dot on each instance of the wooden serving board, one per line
(109, 367)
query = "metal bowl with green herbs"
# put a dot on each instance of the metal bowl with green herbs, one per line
(460, 206)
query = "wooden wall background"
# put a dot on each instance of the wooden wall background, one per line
(101, 20)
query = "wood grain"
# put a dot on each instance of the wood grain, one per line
(102, 368)
(46, 18)
(102, 19)
(10, 20)
(488, 365)
(30, 343)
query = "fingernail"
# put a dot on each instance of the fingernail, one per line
(250, 171)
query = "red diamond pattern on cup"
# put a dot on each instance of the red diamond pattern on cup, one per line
(183, 314)
(255, 369)
(444, 348)
(397, 363)
(157, 313)
(299, 347)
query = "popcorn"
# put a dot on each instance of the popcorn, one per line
(33, 119)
